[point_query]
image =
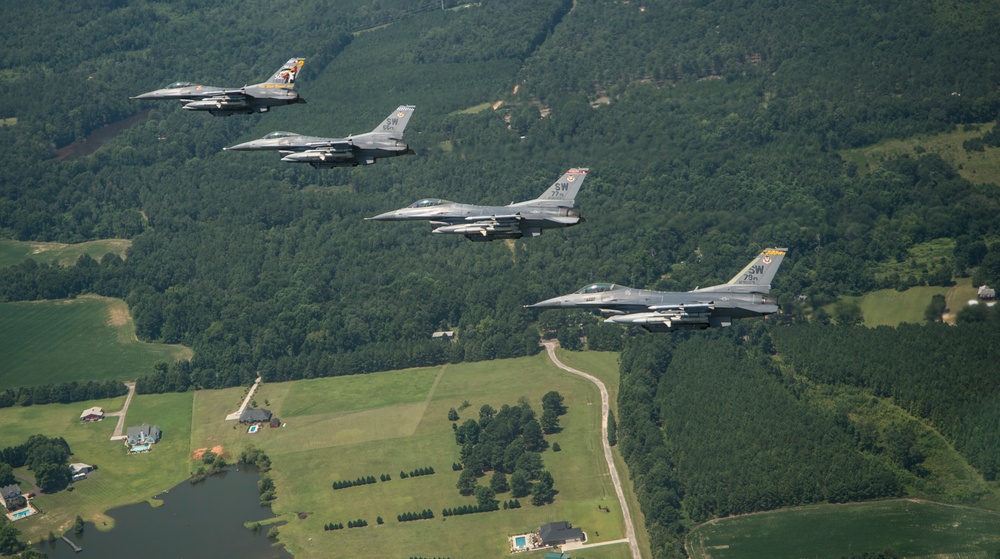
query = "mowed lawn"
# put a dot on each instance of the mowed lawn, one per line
(382, 423)
(88, 338)
(120, 479)
(15, 252)
(910, 528)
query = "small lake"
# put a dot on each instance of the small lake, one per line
(204, 520)
(98, 138)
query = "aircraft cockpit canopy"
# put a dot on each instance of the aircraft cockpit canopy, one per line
(175, 85)
(428, 202)
(280, 134)
(597, 288)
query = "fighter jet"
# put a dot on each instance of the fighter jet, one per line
(554, 208)
(660, 311)
(386, 140)
(249, 99)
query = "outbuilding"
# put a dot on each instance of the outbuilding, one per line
(92, 414)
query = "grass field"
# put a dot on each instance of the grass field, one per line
(342, 428)
(911, 528)
(974, 166)
(15, 252)
(120, 479)
(88, 338)
(888, 307)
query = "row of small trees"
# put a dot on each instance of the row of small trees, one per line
(425, 514)
(471, 509)
(363, 480)
(418, 472)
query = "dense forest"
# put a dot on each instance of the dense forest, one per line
(711, 130)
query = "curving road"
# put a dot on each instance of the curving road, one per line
(550, 346)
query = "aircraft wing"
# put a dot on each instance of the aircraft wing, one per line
(496, 218)
(684, 308)
(334, 145)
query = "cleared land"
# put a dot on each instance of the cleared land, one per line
(346, 427)
(120, 479)
(974, 166)
(15, 252)
(88, 338)
(911, 528)
(888, 307)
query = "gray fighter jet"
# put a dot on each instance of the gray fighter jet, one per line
(386, 140)
(554, 208)
(249, 99)
(660, 311)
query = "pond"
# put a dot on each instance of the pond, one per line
(200, 520)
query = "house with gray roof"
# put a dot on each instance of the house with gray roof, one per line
(144, 434)
(255, 415)
(11, 497)
(558, 533)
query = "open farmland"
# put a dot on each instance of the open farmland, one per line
(88, 338)
(910, 528)
(346, 427)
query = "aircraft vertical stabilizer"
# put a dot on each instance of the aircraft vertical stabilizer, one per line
(287, 73)
(756, 276)
(562, 193)
(395, 123)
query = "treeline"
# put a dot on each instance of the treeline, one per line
(47, 457)
(943, 374)
(62, 393)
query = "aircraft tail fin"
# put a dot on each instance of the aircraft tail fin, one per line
(395, 123)
(287, 73)
(756, 276)
(562, 193)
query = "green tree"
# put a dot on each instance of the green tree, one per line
(550, 421)
(520, 484)
(6, 475)
(612, 429)
(553, 400)
(485, 497)
(466, 482)
(498, 483)
(533, 439)
(542, 492)
(78, 525)
(452, 414)
(935, 310)
(9, 542)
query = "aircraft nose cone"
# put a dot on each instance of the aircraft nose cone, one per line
(387, 216)
(548, 303)
(147, 95)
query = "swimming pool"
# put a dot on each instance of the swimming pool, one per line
(21, 514)
(253, 428)
(520, 541)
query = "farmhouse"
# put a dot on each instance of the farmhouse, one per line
(11, 497)
(987, 293)
(443, 335)
(558, 533)
(92, 414)
(144, 434)
(252, 415)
